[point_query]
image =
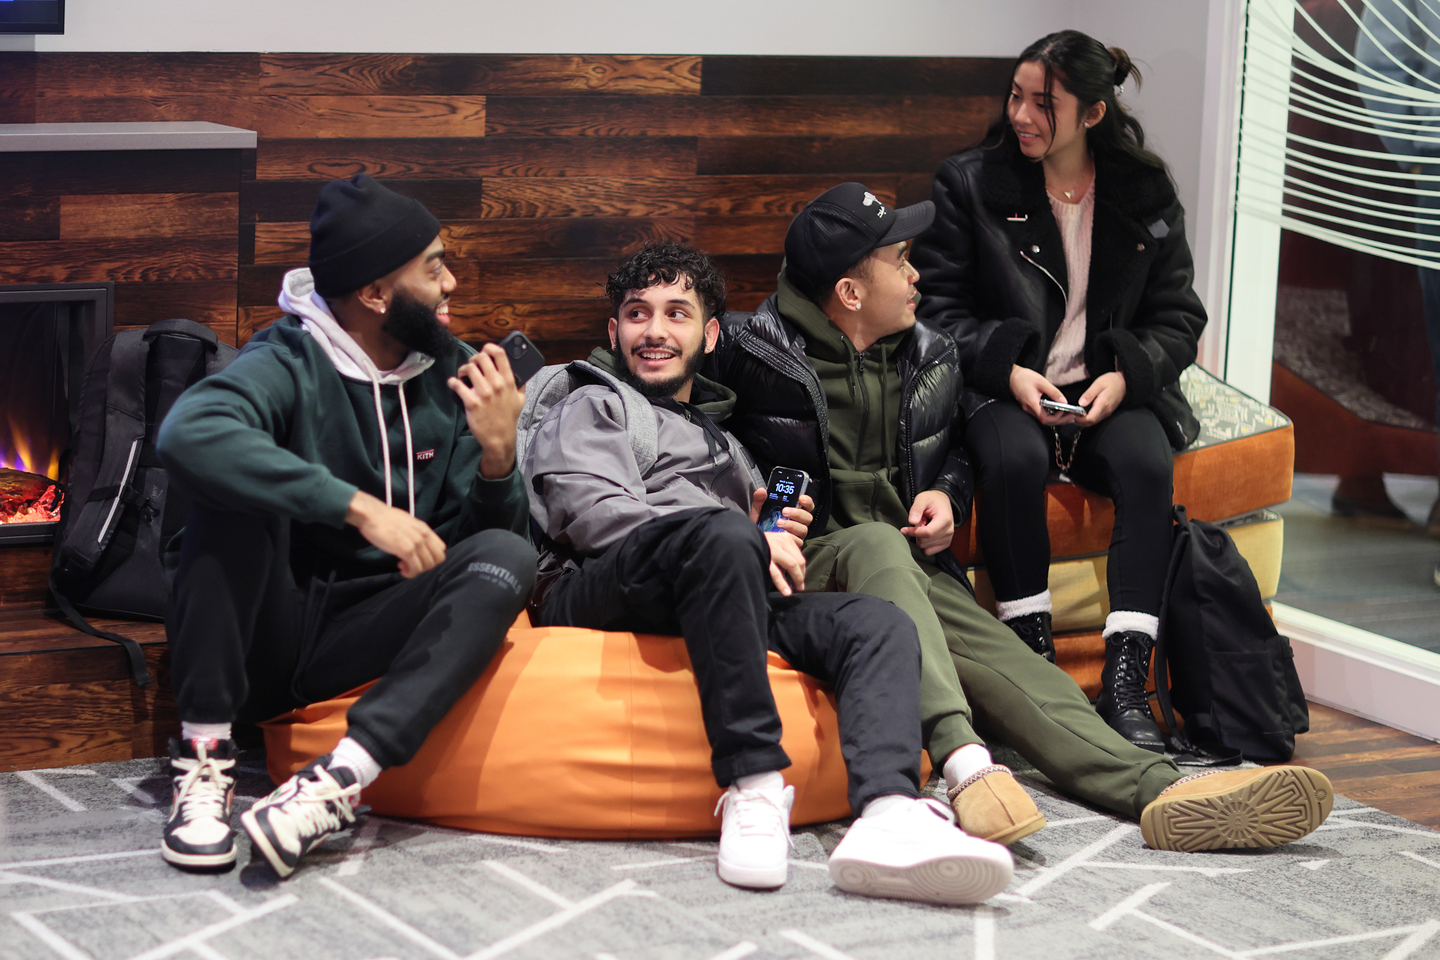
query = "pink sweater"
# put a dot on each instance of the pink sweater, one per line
(1066, 363)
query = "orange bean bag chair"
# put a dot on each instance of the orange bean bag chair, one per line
(579, 733)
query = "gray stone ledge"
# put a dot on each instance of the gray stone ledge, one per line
(159, 135)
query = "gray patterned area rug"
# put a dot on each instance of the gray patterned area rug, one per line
(81, 879)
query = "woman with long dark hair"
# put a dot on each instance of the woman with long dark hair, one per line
(1058, 261)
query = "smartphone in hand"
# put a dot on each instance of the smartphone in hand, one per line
(783, 489)
(1055, 406)
(525, 358)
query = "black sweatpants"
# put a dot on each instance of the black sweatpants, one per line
(248, 643)
(704, 574)
(1125, 457)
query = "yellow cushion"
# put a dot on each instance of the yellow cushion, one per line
(1079, 596)
(580, 733)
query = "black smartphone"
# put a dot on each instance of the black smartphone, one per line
(1055, 406)
(782, 490)
(525, 358)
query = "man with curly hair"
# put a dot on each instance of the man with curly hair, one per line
(661, 538)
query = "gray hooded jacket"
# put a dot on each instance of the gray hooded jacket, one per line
(589, 491)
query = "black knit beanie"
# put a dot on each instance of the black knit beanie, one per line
(361, 231)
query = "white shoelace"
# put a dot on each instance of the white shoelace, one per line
(202, 790)
(310, 807)
(756, 812)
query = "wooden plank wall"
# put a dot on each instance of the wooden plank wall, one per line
(544, 170)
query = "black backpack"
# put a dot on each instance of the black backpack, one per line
(119, 511)
(1232, 675)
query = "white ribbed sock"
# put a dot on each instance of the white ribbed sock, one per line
(883, 805)
(204, 731)
(1121, 620)
(769, 780)
(349, 753)
(966, 761)
(1010, 609)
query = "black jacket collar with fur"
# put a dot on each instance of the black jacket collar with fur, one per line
(993, 275)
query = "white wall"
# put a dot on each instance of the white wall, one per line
(821, 27)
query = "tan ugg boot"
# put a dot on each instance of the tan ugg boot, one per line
(989, 804)
(1238, 808)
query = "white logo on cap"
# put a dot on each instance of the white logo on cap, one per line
(871, 198)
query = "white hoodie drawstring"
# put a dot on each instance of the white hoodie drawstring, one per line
(384, 437)
(409, 447)
(297, 296)
(385, 443)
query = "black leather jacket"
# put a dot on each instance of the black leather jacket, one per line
(780, 413)
(992, 274)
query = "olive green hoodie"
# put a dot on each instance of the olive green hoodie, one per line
(863, 392)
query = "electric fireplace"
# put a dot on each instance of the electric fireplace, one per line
(47, 334)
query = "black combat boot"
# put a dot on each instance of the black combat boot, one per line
(1123, 701)
(1034, 629)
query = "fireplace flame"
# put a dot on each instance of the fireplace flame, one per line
(20, 456)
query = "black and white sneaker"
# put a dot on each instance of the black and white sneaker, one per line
(198, 835)
(302, 812)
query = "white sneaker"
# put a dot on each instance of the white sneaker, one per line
(915, 852)
(301, 813)
(754, 836)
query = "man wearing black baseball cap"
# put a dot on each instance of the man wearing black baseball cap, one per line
(833, 376)
(358, 516)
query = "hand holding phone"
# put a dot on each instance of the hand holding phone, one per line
(784, 489)
(525, 358)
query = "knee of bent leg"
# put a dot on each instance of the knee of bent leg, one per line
(879, 544)
(1020, 457)
(725, 533)
(881, 625)
(501, 556)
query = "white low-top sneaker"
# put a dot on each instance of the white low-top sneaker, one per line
(915, 852)
(754, 836)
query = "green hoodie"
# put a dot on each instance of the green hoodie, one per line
(281, 432)
(863, 393)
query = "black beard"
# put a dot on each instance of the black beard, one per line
(665, 388)
(417, 327)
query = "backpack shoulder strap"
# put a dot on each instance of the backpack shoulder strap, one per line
(120, 454)
(547, 387)
(138, 670)
(642, 423)
(1179, 544)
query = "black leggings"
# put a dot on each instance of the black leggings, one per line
(1125, 457)
(247, 642)
(704, 574)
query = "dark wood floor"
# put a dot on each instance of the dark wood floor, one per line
(1374, 764)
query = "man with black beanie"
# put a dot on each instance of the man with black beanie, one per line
(358, 517)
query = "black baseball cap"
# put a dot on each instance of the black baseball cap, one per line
(839, 228)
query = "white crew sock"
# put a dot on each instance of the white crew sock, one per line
(883, 805)
(204, 731)
(1010, 609)
(770, 780)
(1121, 620)
(349, 753)
(966, 762)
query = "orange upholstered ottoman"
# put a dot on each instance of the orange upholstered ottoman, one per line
(580, 733)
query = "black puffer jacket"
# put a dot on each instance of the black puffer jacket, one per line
(781, 417)
(992, 274)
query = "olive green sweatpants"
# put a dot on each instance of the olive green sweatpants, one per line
(976, 672)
